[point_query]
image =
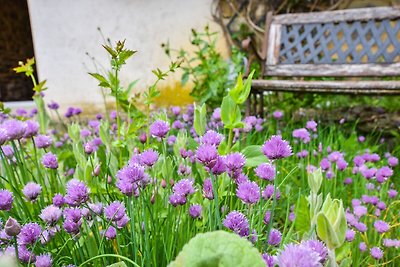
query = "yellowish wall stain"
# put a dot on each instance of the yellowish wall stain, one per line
(174, 94)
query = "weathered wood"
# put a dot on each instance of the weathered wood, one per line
(349, 87)
(339, 15)
(273, 44)
(333, 70)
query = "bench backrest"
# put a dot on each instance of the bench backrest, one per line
(354, 42)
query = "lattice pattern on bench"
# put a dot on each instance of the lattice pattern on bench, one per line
(345, 42)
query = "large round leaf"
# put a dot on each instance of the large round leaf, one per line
(218, 249)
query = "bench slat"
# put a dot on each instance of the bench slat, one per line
(347, 87)
(333, 70)
(339, 15)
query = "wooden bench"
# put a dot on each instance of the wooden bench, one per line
(362, 43)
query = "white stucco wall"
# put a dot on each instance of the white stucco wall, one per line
(64, 30)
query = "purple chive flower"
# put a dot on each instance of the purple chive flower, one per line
(177, 125)
(248, 192)
(171, 140)
(6, 200)
(219, 167)
(176, 199)
(143, 138)
(368, 173)
(25, 255)
(132, 173)
(312, 125)
(361, 227)
(348, 180)
(195, 211)
(268, 259)
(361, 139)
(32, 128)
(51, 214)
(11, 228)
(77, 193)
(175, 110)
(302, 134)
(358, 161)
(234, 161)
(43, 141)
(392, 193)
(277, 114)
(325, 164)
(302, 154)
(115, 211)
(237, 222)
(266, 171)
(317, 246)
(269, 192)
(43, 260)
(159, 129)
(53, 105)
(50, 161)
(381, 226)
(276, 148)
(208, 189)
(341, 164)
(97, 208)
(267, 217)
(212, 138)
(350, 235)
(58, 200)
(391, 242)
(383, 174)
(8, 151)
(381, 205)
(207, 155)
(88, 147)
(149, 157)
(299, 256)
(362, 246)
(32, 191)
(376, 253)
(110, 233)
(275, 237)
(77, 111)
(393, 161)
(3, 135)
(14, 129)
(29, 234)
(360, 211)
(184, 187)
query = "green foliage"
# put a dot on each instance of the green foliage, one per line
(254, 156)
(200, 120)
(218, 249)
(38, 88)
(211, 74)
(332, 223)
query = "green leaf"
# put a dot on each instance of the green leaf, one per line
(302, 221)
(103, 81)
(326, 232)
(315, 180)
(118, 264)
(40, 87)
(230, 113)
(241, 91)
(200, 120)
(110, 51)
(218, 249)
(254, 156)
(185, 78)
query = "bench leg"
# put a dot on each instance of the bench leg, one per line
(261, 113)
